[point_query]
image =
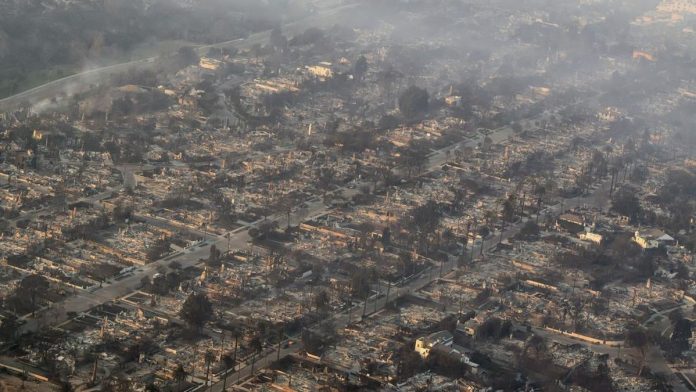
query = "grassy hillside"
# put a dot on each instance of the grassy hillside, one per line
(45, 40)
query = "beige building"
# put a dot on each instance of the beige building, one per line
(651, 238)
(322, 70)
(211, 64)
(591, 237)
(426, 343)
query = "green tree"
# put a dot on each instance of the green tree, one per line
(408, 265)
(228, 361)
(625, 202)
(180, 376)
(681, 334)
(494, 328)
(413, 102)
(509, 208)
(214, 257)
(158, 248)
(322, 300)
(360, 68)
(187, 56)
(530, 230)
(326, 177)
(315, 342)
(121, 212)
(537, 344)
(638, 338)
(414, 157)
(33, 285)
(196, 311)
(360, 283)
(8, 328)
(424, 218)
(409, 362)
(256, 345)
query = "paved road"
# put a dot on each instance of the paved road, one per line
(85, 81)
(84, 300)
(239, 239)
(597, 199)
(340, 320)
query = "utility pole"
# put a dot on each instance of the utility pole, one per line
(280, 341)
(473, 243)
(365, 305)
(386, 302)
(193, 367)
(94, 368)
(502, 230)
(464, 243)
(222, 346)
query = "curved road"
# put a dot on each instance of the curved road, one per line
(86, 80)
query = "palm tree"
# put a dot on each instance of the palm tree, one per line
(236, 333)
(286, 203)
(208, 357)
(256, 344)
(281, 334)
(229, 363)
(180, 376)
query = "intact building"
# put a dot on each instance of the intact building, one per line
(425, 344)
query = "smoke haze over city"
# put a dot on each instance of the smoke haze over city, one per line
(347, 195)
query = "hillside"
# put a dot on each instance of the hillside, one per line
(49, 39)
